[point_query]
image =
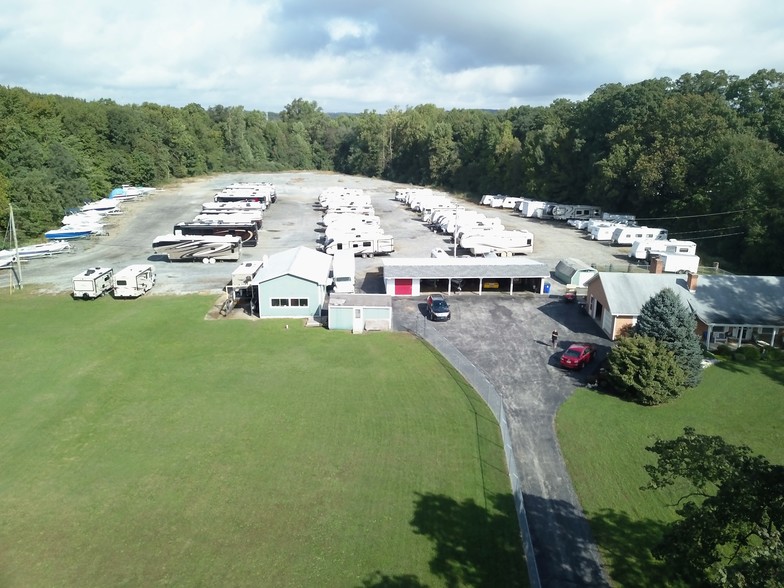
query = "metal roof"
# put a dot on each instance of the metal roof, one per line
(718, 300)
(465, 267)
(740, 300)
(302, 262)
(366, 300)
(627, 292)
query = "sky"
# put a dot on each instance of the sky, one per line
(375, 55)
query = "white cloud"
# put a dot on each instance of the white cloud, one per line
(351, 55)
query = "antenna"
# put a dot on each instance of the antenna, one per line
(12, 226)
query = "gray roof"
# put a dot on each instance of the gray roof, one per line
(465, 267)
(718, 300)
(302, 262)
(740, 300)
(360, 300)
(627, 292)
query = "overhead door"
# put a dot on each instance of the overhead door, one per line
(403, 286)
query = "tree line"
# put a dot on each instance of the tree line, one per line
(700, 155)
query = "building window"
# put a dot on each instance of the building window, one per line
(285, 302)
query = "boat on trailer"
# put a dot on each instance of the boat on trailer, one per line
(38, 250)
(69, 233)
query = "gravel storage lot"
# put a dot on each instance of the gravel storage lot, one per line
(290, 222)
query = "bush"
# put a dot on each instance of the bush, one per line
(748, 353)
(773, 355)
(724, 350)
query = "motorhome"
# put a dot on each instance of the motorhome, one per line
(344, 267)
(576, 211)
(133, 281)
(93, 283)
(676, 263)
(230, 217)
(246, 230)
(644, 248)
(204, 248)
(628, 235)
(366, 246)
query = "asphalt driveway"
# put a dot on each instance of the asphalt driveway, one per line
(507, 338)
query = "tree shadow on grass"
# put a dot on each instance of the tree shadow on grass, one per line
(474, 545)
(627, 545)
(379, 580)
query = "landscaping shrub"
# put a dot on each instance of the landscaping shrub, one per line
(748, 353)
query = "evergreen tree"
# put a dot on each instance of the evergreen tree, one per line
(645, 370)
(665, 318)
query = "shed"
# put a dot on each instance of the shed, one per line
(360, 312)
(574, 272)
(292, 284)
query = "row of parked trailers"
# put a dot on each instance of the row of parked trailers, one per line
(471, 231)
(651, 244)
(222, 228)
(351, 224)
(130, 282)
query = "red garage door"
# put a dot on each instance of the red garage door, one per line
(403, 286)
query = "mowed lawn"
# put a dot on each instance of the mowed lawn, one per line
(141, 444)
(603, 440)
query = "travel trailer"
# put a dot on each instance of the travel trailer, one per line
(366, 246)
(230, 217)
(628, 235)
(351, 232)
(133, 281)
(675, 263)
(237, 206)
(604, 231)
(93, 283)
(241, 278)
(643, 249)
(576, 211)
(204, 248)
(502, 243)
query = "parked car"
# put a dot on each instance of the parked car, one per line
(577, 355)
(438, 308)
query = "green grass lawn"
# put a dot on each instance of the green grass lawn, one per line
(143, 445)
(603, 440)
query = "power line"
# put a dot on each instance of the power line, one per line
(709, 230)
(697, 215)
(711, 236)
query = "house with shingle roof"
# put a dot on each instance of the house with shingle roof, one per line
(741, 309)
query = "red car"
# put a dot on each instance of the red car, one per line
(578, 355)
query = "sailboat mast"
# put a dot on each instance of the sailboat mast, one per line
(16, 244)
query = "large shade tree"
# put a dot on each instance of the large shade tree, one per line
(731, 512)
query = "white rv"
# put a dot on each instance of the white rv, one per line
(643, 249)
(133, 281)
(678, 263)
(602, 231)
(628, 235)
(366, 246)
(578, 211)
(92, 283)
(204, 248)
(344, 267)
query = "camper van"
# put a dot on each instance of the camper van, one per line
(133, 281)
(643, 249)
(366, 245)
(344, 267)
(92, 283)
(628, 235)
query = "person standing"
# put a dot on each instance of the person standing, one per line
(554, 338)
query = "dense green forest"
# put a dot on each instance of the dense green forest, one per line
(700, 155)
